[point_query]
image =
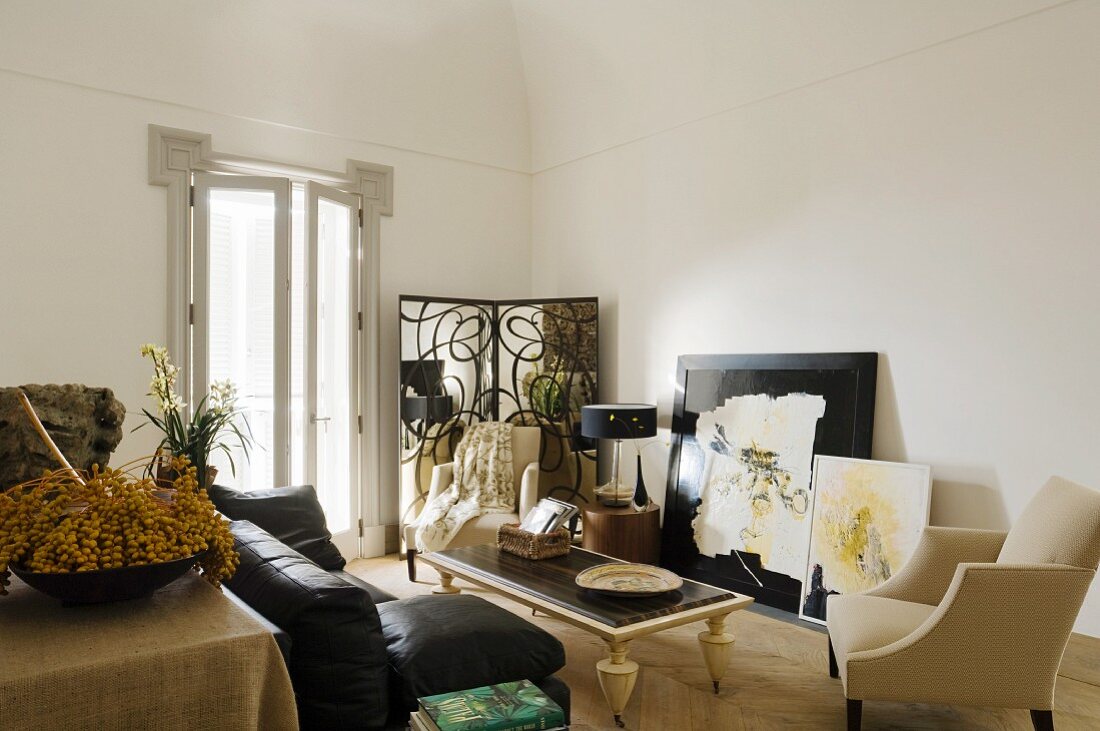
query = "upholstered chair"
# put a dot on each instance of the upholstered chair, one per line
(526, 442)
(977, 618)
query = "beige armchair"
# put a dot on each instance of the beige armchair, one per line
(976, 617)
(526, 442)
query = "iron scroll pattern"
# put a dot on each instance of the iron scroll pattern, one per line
(548, 354)
(530, 362)
(459, 332)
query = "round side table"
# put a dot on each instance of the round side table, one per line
(623, 533)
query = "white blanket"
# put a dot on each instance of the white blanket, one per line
(484, 482)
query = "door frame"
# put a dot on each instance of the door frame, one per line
(174, 155)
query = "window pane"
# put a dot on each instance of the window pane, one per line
(242, 323)
(336, 424)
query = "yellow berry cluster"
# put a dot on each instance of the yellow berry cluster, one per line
(62, 523)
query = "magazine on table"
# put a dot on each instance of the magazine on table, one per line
(548, 516)
(514, 706)
(421, 721)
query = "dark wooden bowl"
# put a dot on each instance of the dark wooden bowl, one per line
(107, 585)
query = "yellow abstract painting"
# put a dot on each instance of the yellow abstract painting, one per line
(867, 519)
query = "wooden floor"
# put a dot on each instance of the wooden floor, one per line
(777, 678)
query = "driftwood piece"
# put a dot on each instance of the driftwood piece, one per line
(84, 423)
(46, 438)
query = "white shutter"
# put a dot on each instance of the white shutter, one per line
(241, 245)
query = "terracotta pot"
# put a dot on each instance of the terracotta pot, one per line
(166, 476)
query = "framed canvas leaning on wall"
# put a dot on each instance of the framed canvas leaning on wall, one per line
(867, 519)
(745, 429)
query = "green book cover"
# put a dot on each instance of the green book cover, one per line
(515, 706)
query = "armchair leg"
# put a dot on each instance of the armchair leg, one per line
(410, 556)
(1042, 720)
(834, 671)
(855, 715)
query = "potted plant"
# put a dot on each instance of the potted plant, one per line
(213, 426)
(544, 392)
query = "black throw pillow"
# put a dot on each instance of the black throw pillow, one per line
(438, 644)
(291, 514)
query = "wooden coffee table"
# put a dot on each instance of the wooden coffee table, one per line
(549, 586)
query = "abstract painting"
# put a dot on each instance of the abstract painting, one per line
(756, 484)
(867, 519)
(745, 430)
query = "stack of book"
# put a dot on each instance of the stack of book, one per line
(548, 516)
(514, 706)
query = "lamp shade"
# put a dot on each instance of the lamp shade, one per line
(619, 421)
(434, 409)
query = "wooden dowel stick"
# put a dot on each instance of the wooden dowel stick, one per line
(33, 416)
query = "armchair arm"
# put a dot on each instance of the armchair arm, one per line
(442, 477)
(528, 490)
(925, 578)
(995, 640)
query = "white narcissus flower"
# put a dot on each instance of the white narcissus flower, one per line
(163, 386)
(223, 396)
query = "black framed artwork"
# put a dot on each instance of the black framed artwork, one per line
(745, 429)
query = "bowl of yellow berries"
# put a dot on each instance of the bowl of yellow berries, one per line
(107, 585)
(109, 535)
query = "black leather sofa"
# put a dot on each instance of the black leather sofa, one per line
(359, 657)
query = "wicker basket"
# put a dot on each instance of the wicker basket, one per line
(535, 546)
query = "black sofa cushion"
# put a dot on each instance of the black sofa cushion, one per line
(438, 644)
(282, 637)
(338, 654)
(291, 514)
(377, 595)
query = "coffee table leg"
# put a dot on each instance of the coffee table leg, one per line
(444, 586)
(617, 675)
(716, 644)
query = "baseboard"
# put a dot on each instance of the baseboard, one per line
(373, 541)
(393, 538)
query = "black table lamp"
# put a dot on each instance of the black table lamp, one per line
(432, 409)
(423, 397)
(619, 422)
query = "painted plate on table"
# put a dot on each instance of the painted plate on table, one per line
(629, 579)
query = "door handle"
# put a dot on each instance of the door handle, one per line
(314, 419)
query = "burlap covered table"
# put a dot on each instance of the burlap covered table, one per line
(186, 658)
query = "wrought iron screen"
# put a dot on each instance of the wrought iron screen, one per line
(532, 362)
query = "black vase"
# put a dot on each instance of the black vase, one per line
(640, 501)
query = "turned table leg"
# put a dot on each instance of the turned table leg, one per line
(617, 675)
(716, 644)
(444, 586)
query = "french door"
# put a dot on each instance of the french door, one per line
(332, 365)
(275, 290)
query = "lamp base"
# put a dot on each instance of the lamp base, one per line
(614, 495)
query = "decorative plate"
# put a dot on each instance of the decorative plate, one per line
(629, 579)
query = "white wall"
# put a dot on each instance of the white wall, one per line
(424, 75)
(606, 73)
(83, 234)
(908, 184)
